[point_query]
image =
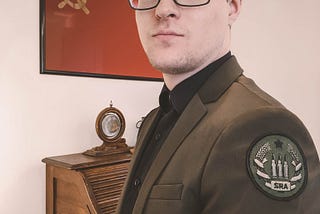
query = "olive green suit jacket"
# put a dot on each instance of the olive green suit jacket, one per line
(202, 165)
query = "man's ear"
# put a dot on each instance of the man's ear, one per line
(235, 7)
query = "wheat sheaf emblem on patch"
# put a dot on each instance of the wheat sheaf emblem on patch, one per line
(277, 167)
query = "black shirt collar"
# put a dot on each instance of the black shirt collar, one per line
(180, 96)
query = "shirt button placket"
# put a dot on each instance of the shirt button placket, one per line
(157, 137)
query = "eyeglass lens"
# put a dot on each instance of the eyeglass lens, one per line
(149, 4)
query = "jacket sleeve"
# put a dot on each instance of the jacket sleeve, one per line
(235, 181)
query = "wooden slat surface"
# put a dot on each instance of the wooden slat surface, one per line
(106, 183)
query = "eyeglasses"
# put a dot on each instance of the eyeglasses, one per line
(150, 4)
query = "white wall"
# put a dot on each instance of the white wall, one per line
(277, 43)
(44, 115)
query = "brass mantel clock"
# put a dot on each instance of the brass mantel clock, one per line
(110, 126)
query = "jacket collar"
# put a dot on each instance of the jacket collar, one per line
(220, 80)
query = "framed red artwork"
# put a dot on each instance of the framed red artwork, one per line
(96, 38)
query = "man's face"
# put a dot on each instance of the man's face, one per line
(183, 39)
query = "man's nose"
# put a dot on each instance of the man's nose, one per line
(166, 9)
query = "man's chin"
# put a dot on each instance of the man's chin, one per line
(171, 69)
(171, 64)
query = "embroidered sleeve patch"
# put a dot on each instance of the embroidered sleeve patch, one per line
(277, 167)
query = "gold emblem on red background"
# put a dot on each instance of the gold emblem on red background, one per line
(81, 4)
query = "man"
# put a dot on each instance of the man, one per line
(217, 143)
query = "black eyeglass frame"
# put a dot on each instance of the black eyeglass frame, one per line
(175, 1)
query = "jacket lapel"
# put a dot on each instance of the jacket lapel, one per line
(149, 124)
(142, 138)
(194, 111)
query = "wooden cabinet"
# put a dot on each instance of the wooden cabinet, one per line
(81, 184)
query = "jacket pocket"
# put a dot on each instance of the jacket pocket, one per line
(166, 191)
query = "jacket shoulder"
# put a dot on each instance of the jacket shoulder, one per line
(234, 170)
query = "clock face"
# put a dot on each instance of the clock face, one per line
(111, 125)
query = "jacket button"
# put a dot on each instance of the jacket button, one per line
(137, 182)
(157, 136)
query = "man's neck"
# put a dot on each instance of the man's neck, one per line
(172, 80)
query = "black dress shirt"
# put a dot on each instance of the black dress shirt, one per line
(172, 104)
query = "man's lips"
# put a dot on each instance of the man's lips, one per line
(167, 34)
